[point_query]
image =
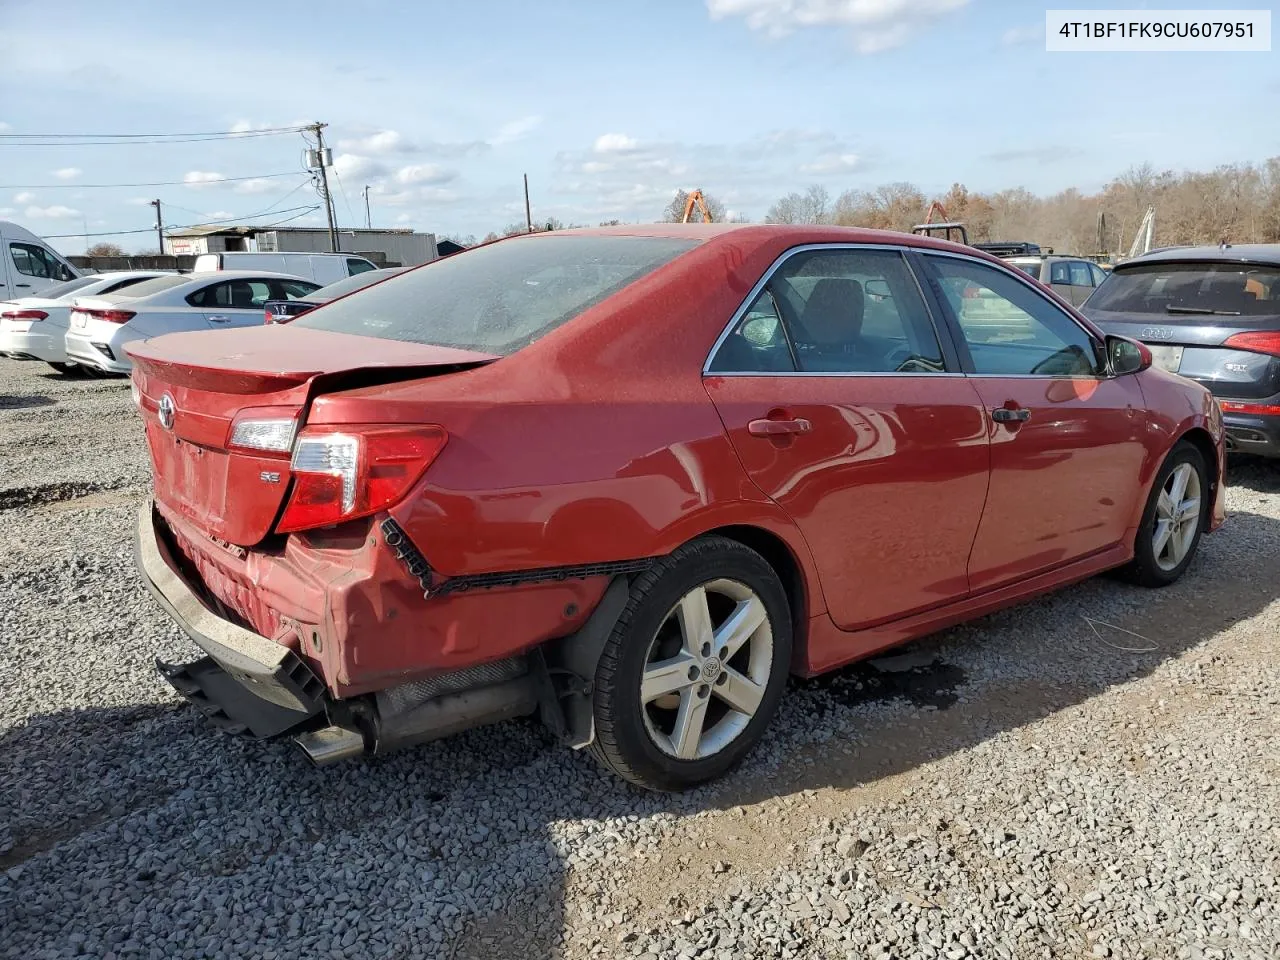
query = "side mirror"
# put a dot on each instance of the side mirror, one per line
(1126, 356)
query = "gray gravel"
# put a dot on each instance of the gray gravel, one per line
(1019, 787)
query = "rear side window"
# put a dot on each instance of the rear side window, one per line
(233, 295)
(1211, 289)
(1059, 272)
(1030, 269)
(834, 311)
(1080, 274)
(499, 297)
(359, 266)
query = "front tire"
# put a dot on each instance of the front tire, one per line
(1173, 521)
(695, 667)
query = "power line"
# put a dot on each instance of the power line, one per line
(153, 183)
(302, 212)
(133, 139)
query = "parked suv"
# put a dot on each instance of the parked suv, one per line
(1073, 278)
(1211, 314)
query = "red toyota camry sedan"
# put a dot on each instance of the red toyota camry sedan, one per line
(629, 479)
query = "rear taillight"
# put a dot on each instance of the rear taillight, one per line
(267, 317)
(23, 315)
(1236, 406)
(1259, 341)
(255, 431)
(339, 476)
(111, 316)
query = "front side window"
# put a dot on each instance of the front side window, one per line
(1098, 274)
(835, 311)
(359, 266)
(31, 261)
(499, 297)
(233, 295)
(1008, 327)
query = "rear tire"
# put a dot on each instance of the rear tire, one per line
(63, 367)
(1173, 520)
(695, 667)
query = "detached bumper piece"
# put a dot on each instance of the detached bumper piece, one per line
(232, 707)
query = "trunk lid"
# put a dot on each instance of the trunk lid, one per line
(191, 387)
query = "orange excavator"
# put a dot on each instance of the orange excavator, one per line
(695, 200)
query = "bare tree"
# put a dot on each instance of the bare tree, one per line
(104, 250)
(812, 206)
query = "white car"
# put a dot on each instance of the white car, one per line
(33, 328)
(101, 326)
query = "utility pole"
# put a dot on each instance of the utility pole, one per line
(368, 220)
(159, 224)
(528, 216)
(322, 160)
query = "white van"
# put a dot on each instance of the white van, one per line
(323, 268)
(28, 265)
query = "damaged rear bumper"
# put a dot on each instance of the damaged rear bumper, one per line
(250, 685)
(246, 684)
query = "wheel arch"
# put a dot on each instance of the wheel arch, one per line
(1201, 439)
(782, 558)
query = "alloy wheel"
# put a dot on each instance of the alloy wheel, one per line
(707, 669)
(1177, 517)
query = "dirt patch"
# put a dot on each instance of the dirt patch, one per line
(43, 494)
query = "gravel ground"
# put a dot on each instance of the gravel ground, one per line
(1040, 783)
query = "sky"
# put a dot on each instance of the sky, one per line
(609, 107)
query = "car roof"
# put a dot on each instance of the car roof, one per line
(1267, 253)
(798, 234)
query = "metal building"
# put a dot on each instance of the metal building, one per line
(403, 247)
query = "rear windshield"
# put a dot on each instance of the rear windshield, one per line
(60, 291)
(1212, 289)
(155, 285)
(355, 282)
(500, 297)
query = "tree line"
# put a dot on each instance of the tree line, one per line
(1237, 203)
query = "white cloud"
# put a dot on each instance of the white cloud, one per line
(404, 218)
(1015, 36)
(68, 173)
(424, 173)
(615, 143)
(595, 166)
(380, 143)
(220, 215)
(26, 196)
(832, 163)
(55, 212)
(138, 201)
(352, 166)
(248, 126)
(516, 130)
(256, 185)
(201, 178)
(876, 24)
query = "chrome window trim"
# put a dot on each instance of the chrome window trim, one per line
(899, 248)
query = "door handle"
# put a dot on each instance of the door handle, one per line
(22, 284)
(218, 319)
(776, 428)
(1010, 415)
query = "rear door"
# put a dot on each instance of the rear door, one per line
(233, 303)
(1066, 440)
(1081, 281)
(847, 409)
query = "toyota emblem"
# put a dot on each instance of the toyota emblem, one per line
(166, 411)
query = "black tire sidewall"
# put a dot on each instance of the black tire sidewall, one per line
(701, 565)
(1145, 563)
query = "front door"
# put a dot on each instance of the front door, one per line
(1066, 443)
(838, 400)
